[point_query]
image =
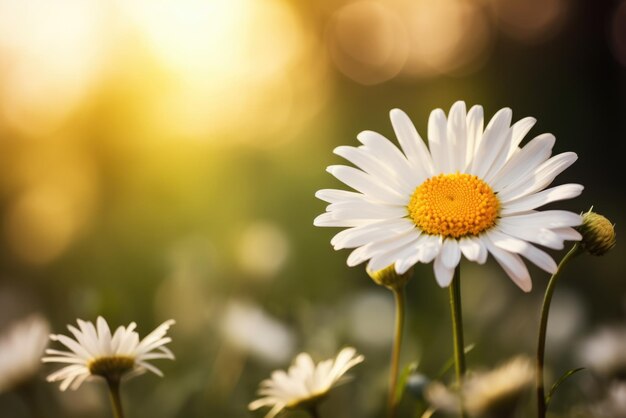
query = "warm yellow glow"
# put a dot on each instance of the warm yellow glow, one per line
(39, 225)
(263, 249)
(52, 54)
(445, 36)
(56, 192)
(367, 41)
(372, 41)
(454, 205)
(226, 61)
(531, 20)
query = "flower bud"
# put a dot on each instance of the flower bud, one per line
(388, 277)
(598, 233)
(416, 384)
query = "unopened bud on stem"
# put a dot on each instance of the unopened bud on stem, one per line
(598, 233)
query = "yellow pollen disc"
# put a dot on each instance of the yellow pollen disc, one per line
(454, 205)
(111, 366)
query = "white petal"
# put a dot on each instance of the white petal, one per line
(128, 343)
(327, 219)
(377, 168)
(423, 250)
(379, 247)
(546, 219)
(429, 247)
(334, 196)
(541, 178)
(365, 210)
(443, 274)
(437, 141)
(569, 234)
(512, 264)
(519, 131)
(450, 253)
(150, 367)
(413, 146)
(382, 260)
(403, 265)
(473, 249)
(541, 236)
(366, 184)
(457, 136)
(72, 345)
(494, 144)
(532, 201)
(523, 162)
(378, 231)
(532, 253)
(386, 152)
(104, 334)
(474, 133)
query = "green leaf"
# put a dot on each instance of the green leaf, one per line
(562, 379)
(448, 365)
(404, 376)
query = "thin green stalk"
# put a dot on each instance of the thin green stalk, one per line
(398, 293)
(114, 395)
(457, 331)
(543, 327)
(29, 393)
(313, 411)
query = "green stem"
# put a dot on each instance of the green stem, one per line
(313, 411)
(114, 395)
(28, 392)
(457, 330)
(398, 293)
(543, 327)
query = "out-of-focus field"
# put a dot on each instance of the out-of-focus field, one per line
(159, 159)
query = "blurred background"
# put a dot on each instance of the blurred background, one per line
(159, 159)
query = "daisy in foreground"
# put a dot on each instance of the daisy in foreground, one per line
(21, 348)
(471, 192)
(305, 383)
(94, 351)
(487, 394)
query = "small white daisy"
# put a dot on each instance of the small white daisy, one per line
(604, 352)
(305, 383)
(95, 352)
(21, 348)
(494, 393)
(472, 192)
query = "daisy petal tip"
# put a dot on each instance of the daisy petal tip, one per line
(458, 106)
(354, 262)
(339, 150)
(402, 268)
(397, 115)
(438, 114)
(444, 278)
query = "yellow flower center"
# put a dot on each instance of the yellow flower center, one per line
(454, 205)
(111, 367)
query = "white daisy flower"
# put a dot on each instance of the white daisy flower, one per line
(305, 383)
(473, 191)
(494, 393)
(21, 348)
(604, 351)
(95, 352)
